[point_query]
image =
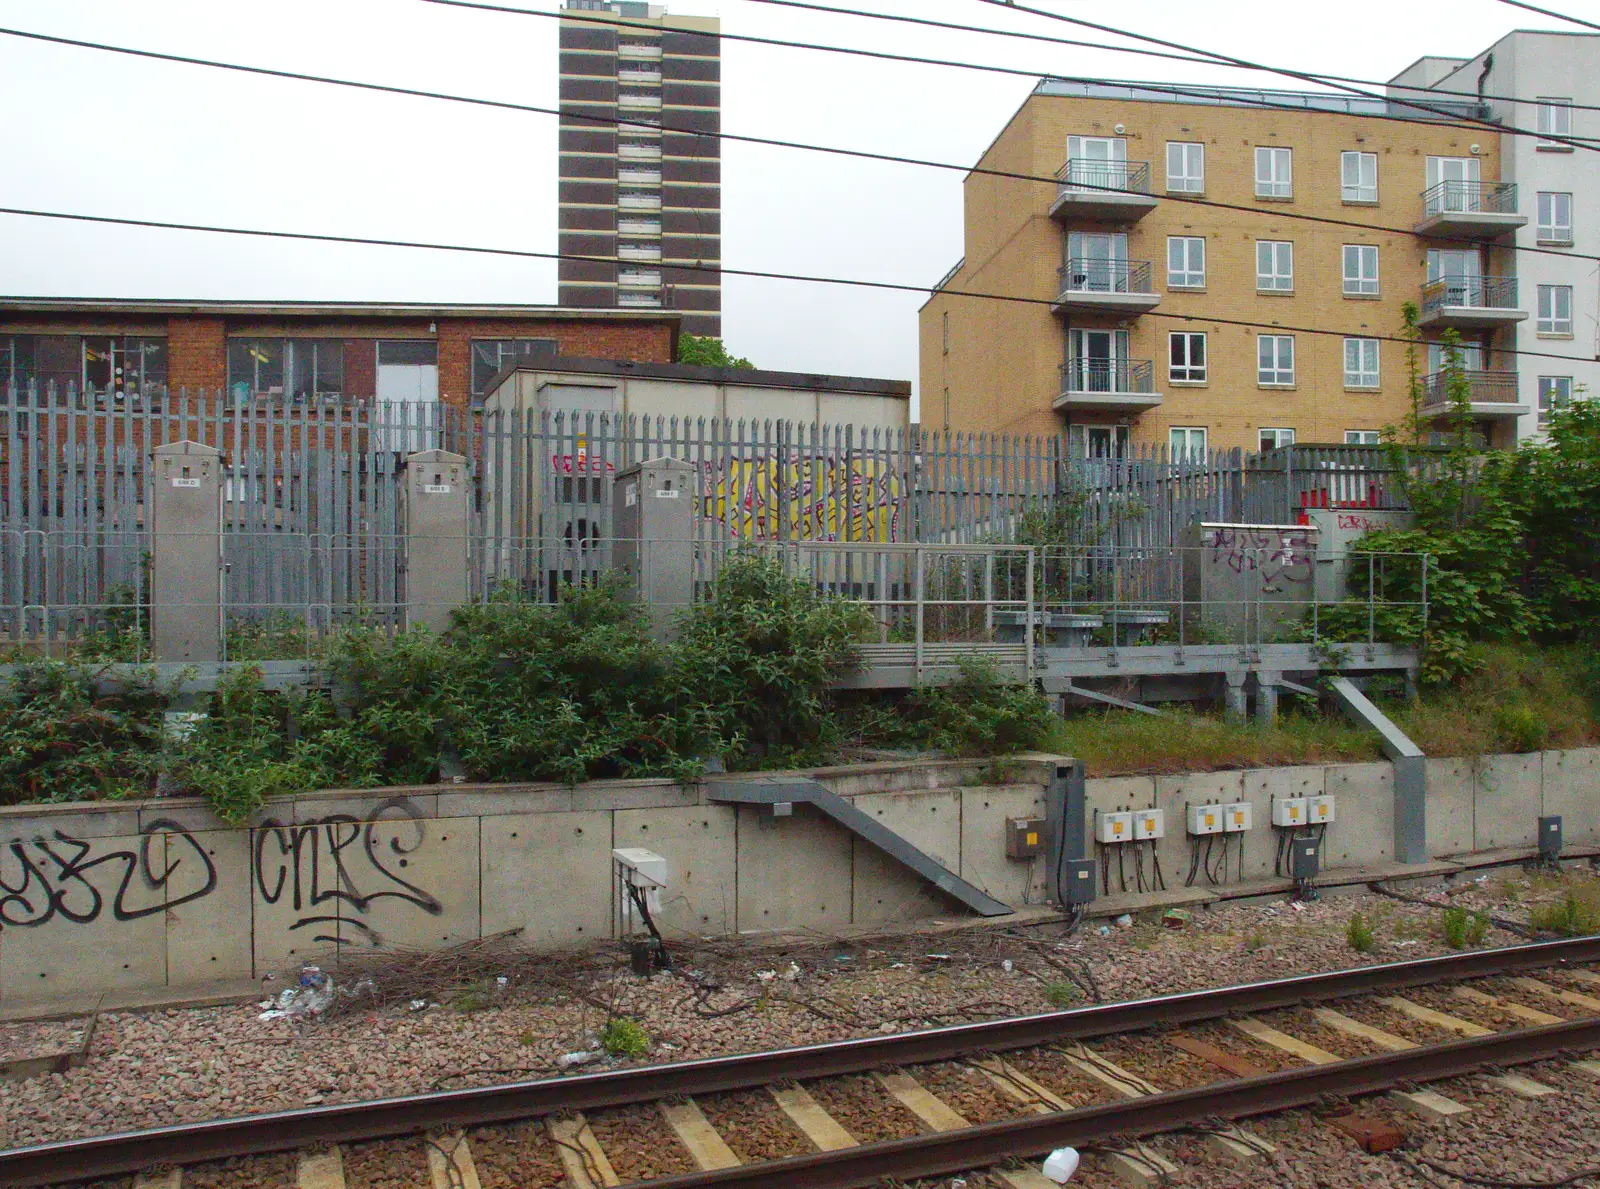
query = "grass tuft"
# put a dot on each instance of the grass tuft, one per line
(1576, 914)
(1359, 934)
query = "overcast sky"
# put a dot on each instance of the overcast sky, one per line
(86, 131)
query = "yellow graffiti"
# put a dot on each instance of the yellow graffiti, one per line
(815, 498)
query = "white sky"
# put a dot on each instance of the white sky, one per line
(90, 132)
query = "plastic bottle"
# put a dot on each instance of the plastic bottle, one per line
(1061, 1164)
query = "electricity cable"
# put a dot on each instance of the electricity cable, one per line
(1550, 12)
(719, 270)
(771, 142)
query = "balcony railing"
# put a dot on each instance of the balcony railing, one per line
(1486, 388)
(1463, 197)
(1471, 292)
(1083, 173)
(1093, 275)
(1108, 375)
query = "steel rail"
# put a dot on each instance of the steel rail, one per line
(190, 1143)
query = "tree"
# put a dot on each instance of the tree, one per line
(706, 351)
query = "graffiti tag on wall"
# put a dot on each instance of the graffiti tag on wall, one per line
(807, 497)
(1281, 557)
(75, 879)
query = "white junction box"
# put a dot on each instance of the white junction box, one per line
(1113, 827)
(1319, 810)
(1237, 817)
(1205, 819)
(1149, 823)
(1289, 811)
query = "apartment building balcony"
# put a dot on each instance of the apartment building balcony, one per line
(1479, 210)
(1104, 190)
(1492, 395)
(1106, 286)
(1470, 302)
(1107, 386)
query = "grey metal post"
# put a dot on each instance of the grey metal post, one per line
(1267, 697)
(652, 518)
(1065, 822)
(438, 510)
(1410, 772)
(1234, 707)
(186, 552)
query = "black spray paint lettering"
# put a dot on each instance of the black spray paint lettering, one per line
(1278, 557)
(317, 866)
(56, 876)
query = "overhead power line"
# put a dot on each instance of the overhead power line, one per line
(1299, 75)
(717, 270)
(766, 141)
(1132, 50)
(1550, 12)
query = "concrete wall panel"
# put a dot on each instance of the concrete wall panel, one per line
(698, 845)
(794, 872)
(208, 936)
(1173, 796)
(1449, 809)
(548, 874)
(1362, 833)
(885, 890)
(1507, 801)
(984, 812)
(1572, 789)
(412, 884)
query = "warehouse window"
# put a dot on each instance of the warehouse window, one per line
(492, 356)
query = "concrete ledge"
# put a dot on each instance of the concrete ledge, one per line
(73, 1007)
(1508, 855)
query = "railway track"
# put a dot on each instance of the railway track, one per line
(851, 1113)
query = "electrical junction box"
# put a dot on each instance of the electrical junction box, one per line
(1304, 859)
(1149, 823)
(1288, 811)
(640, 867)
(1024, 837)
(1205, 819)
(1319, 811)
(1550, 836)
(1113, 827)
(1077, 882)
(1237, 817)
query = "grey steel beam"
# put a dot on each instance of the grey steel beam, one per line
(1410, 772)
(1067, 687)
(799, 790)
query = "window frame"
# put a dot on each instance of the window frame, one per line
(1274, 276)
(1271, 184)
(1188, 366)
(1358, 194)
(1278, 438)
(1363, 437)
(1363, 286)
(1355, 379)
(1545, 121)
(1184, 182)
(1187, 450)
(1550, 232)
(1188, 242)
(1544, 408)
(1272, 376)
(476, 389)
(1553, 323)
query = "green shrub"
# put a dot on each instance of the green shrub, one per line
(622, 1037)
(1359, 935)
(1462, 928)
(1061, 995)
(1573, 915)
(66, 735)
(981, 713)
(1518, 727)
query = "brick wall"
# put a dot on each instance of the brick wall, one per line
(197, 352)
(645, 342)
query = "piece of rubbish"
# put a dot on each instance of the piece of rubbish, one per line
(766, 976)
(1061, 1164)
(1105, 930)
(937, 957)
(792, 973)
(897, 965)
(313, 993)
(1125, 921)
(418, 1005)
(958, 1183)
(1175, 918)
(1008, 966)
(501, 980)
(572, 1060)
(1297, 906)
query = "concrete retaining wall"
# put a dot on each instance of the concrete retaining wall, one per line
(98, 897)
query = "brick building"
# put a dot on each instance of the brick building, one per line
(1127, 271)
(307, 352)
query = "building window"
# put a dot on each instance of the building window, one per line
(123, 365)
(1186, 261)
(298, 371)
(1186, 355)
(1555, 392)
(1555, 217)
(1361, 363)
(1358, 177)
(1362, 437)
(947, 408)
(1274, 265)
(1275, 359)
(1186, 167)
(1555, 309)
(1274, 173)
(1187, 441)
(1555, 119)
(492, 356)
(1271, 439)
(945, 320)
(1360, 269)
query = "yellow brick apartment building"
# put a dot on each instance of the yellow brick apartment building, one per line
(1130, 276)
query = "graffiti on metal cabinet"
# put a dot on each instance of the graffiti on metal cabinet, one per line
(61, 876)
(326, 868)
(1281, 557)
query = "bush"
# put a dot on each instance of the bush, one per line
(1571, 916)
(622, 1037)
(1518, 728)
(981, 713)
(1358, 933)
(1061, 995)
(1462, 928)
(65, 735)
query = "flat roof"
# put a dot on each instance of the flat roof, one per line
(741, 377)
(1194, 93)
(329, 309)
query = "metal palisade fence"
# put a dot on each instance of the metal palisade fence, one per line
(312, 517)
